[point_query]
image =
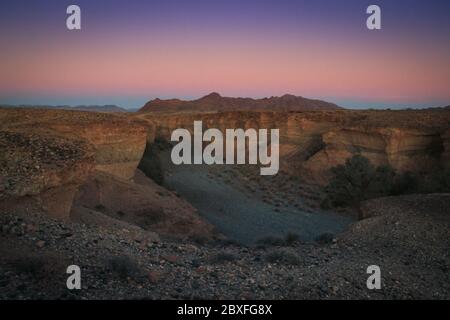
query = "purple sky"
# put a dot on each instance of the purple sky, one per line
(131, 51)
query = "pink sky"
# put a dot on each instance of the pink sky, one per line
(326, 62)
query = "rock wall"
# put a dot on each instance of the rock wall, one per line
(312, 142)
(446, 153)
(82, 166)
(48, 169)
(117, 147)
(49, 154)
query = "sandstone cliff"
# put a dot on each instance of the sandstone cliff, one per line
(58, 158)
(314, 141)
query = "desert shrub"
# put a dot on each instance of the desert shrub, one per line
(41, 267)
(406, 183)
(358, 180)
(325, 238)
(123, 266)
(199, 239)
(100, 207)
(382, 182)
(283, 257)
(436, 182)
(33, 265)
(223, 257)
(226, 243)
(291, 238)
(271, 241)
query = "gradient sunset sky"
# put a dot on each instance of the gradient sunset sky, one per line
(129, 52)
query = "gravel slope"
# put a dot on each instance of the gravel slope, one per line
(409, 241)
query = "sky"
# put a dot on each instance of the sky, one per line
(129, 52)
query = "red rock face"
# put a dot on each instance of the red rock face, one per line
(313, 142)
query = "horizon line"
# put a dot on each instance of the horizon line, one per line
(121, 101)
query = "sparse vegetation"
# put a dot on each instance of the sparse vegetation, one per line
(437, 182)
(359, 180)
(283, 256)
(226, 243)
(325, 238)
(32, 265)
(223, 257)
(162, 193)
(270, 241)
(406, 183)
(292, 238)
(123, 266)
(100, 207)
(40, 267)
(199, 239)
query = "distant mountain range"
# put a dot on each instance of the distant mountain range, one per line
(215, 102)
(105, 108)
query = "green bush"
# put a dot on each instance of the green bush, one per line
(406, 183)
(382, 182)
(436, 182)
(358, 180)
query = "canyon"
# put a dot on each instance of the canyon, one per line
(232, 149)
(88, 187)
(312, 142)
(67, 161)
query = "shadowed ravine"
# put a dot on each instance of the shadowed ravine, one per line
(241, 216)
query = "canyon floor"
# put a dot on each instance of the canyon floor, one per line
(246, 207)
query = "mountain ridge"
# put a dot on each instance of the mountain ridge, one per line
(215, 102)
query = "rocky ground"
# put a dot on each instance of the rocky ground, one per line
(408, 237)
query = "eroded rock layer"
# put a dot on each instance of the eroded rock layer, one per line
(54, 158)
(314, 141)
